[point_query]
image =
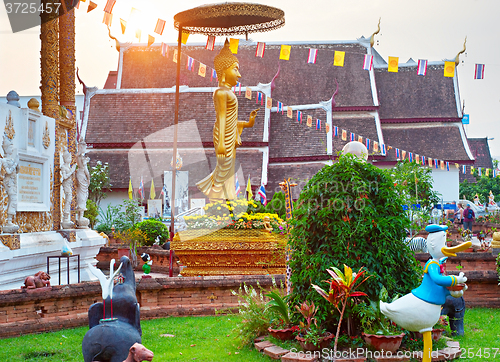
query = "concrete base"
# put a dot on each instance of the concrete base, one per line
(31, 257)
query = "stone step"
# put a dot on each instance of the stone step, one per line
(275, 352)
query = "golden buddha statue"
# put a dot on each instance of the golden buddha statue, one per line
(219, 185)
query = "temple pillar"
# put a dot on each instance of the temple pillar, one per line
(49, 64)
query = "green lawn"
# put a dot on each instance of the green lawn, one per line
(209, 339)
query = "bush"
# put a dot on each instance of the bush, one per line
(91, 213)
(153, 229)
(350, 213)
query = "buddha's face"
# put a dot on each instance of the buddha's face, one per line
(232, 74)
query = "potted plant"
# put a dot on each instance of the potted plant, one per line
(379, 331)
(281, 327)
(341, 289)
(311, 337)
(132, 239)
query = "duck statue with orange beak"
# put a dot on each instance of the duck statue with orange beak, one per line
(419, 310)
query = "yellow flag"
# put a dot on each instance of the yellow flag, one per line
(249, 189)
(233, 45)
(327, 127)
(309, 121)
(487, 172)
(393, 64)
(151, 40)
(175, 56)
(375, 146)
(403, 154)
(457, 165)
(248, 93)
(449, 69)
(344, 135)
(417, 158)
(360, 139)
(285, 52)
(130, 189)
(184, 37)
(472, 170)
(338, 58)
(202, 71)
(289, 112)
(430, 162)
(269, 103)
(441, 164)
(152, 192)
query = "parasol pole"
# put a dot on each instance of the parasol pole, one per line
(176, 121)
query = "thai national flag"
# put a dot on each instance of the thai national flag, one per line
(163, 190)
(464, 169)
(383, 149)
(141, 189)
(335, 131)
(259, 98)
(436, 163)
(279, 108)
(210, 43)
(190, 63)
(318, 124)
(262, 193)
(422, 67)
(397, 153)
(312, 56)
(352, 136)
(479, 171)
(367, 142)
(214, 75)
(239, 88)
(494, 173)
(299, 116)
(447, 166)
(423, 160)
(164, 49)
(368, 63)
(237, 186)
(410, 156)
(261, 48)
(479, 73)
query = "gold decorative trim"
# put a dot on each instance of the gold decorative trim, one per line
(13, 242)
(46, 136)
(9, 131)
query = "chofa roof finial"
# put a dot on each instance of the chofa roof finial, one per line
(457, 58)
(372, 38)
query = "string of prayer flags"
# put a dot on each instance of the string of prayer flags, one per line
(151, 40)
(91, 7)
(108, 8)
(285, 52)
(202, 70)
(338, 58)
(269, 102)
(375, 146)
(318, 124)
(213, 75)
(123, 25)
(449, 69)
(289, 112)
(248, 93)
(299, 116)
(233, 45)
(352, 137)
(335, 131)
(422, 67)
(368, 62)
(279, 108)
(309, 121)
(344, 135)
(189, 63)
(210, 42)
(108, 18)
(479, 72)
(160, 26)
(313, 53)
(261, 48)
(393, 64)
(184, 37)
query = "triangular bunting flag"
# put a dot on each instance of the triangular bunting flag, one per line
(123, 25)
(91, 7)
(151, 40)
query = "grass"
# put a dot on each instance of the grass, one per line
(210, 339)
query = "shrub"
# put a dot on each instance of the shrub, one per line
(350, 213)
(91, 213)
(153, 229)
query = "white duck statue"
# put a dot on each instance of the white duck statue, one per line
(419, 310)
(107, 283)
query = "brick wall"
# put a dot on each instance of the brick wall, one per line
(66, 306)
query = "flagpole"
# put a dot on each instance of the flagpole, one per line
(176, 121)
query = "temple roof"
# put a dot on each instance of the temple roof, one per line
(480, 149)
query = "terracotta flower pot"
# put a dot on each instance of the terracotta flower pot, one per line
(436, 334)
(282, 334)
(323, 343)
(381, 342)
(123, 251)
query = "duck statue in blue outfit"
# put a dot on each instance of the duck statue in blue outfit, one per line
(419, 310)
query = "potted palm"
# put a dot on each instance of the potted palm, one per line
(378, 330)
(281, 327)
(311, 337)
